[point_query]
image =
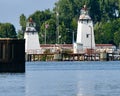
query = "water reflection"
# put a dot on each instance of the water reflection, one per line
(73, 79)
(99, 83)
(49, 83)
(63, 79)
(73, 83)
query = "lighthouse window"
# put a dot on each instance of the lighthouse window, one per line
(32, 32)
(28, 29)
(31, 24)
(87, 35)
(84, 22)
(87, 21)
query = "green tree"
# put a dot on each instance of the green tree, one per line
(7, 30)
(116, 29)
(117, 37)
(109, 9)
(104, 13)
(20, 34)
(39, 17)
(107, 32)
(99, 35)
(49, 27)
(23, 22)
(94, 9)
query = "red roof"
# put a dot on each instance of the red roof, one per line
(56, 45)
(71, 45)
(104, 45)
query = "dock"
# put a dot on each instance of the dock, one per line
(70, 57)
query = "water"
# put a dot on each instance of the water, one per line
(63, 79)
(12, 84)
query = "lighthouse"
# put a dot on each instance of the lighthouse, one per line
(85, 33)
(32, 45)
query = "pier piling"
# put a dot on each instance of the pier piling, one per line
(12, 55)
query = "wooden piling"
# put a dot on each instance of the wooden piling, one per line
(12, 55)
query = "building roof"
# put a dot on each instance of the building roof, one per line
(56, 45)
(71, 45)
(104, 45)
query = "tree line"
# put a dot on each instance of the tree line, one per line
(7, 30)
(64, 16)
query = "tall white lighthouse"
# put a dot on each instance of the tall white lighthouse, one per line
(85, 33)
(32, 45)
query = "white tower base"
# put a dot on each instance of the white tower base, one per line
(32, 45)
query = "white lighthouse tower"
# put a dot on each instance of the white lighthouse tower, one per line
(32, 45)
(85, 34)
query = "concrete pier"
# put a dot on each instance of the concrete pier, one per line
(12, 55)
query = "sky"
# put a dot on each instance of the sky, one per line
(10, 10)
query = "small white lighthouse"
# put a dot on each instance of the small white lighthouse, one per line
(32, 45)
(85, 33)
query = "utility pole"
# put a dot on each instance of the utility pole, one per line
(45, 33)
(57, 24)
(91, 40)
(73, 37)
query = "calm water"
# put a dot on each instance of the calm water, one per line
(63, 79)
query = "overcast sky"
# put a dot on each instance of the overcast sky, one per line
(10, 10)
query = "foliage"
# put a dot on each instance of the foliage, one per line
(23, 22)
(104, 13)
(20, 34)
(50, 32)
(39, 17)
(117, 32)
(7, 30)
(108, 32)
